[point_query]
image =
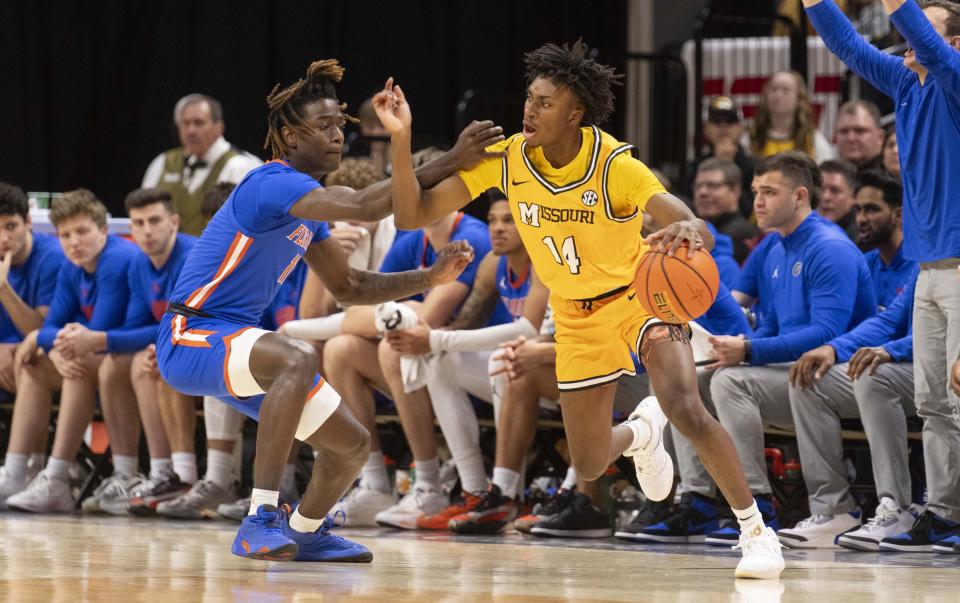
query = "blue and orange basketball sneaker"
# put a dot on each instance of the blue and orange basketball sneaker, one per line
(324, 546)
(262, 536)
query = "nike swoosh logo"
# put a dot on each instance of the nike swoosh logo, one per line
(515, 183)
(630, 296)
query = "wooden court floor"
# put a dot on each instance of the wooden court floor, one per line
(69, 558)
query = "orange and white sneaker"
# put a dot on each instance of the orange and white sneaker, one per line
(441, 519)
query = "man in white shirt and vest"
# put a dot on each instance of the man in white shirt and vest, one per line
(203, 159)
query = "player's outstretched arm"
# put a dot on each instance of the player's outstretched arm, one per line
(681, 225)
(351, 286)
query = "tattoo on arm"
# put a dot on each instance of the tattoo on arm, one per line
(367, 287)
(477, 309)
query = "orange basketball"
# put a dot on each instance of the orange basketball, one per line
(676, 289)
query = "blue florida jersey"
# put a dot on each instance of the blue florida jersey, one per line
(513, 290)
(889, 281)
(150, 290)
(33, 281)
(250, 247)
(95, 299)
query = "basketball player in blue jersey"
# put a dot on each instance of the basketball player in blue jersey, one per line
(208, 344)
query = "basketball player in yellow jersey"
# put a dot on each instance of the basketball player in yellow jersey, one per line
(577, 195)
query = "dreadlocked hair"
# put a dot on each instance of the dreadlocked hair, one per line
(574, 67)
(286, 105)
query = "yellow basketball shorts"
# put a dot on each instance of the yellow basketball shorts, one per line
(597, 341)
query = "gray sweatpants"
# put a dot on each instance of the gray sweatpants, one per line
(693, 475)
(747, 399)
(936, 333)
(882, 402)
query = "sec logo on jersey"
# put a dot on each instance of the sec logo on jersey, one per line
(589, 198)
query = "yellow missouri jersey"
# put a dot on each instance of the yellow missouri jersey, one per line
(581, 222)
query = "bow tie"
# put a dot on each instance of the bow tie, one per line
(196, 165)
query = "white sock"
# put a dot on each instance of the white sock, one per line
(37, 459)
(507, 480)
(428, 472)
(570, 481)
(16, 465)
(160, 466)
(303, 524)
(288, 482)
(260, 497)
(185, 466)
(58, 469)
(750, 520)
(374, 473)
(641, 433)
(124, 465)
(473, 478)
(220, 469)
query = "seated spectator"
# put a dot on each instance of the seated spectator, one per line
(722, 133)
(716, 198)
(865, 374)
(355, 363)
(819, 287)
(29, 264)
(836, 196)
(785, 120)
(880, 222)
(459, 360)
(168, 417)
(891, 153)
(859, 135)
(92, 291)
(203, 159)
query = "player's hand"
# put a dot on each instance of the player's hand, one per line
(410, 342)
(75, 340)
(725, 148)
(392, 108)
(955, 378)
(150, 361)
(813, 365)
(5, 268)
(451, 261)
(26, 352)
(867, 359)
(727, 351)
(69, 368)
(517, 358)
(347, 237)
(685, 232)
(471, 146)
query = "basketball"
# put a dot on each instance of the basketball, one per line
(677, 289)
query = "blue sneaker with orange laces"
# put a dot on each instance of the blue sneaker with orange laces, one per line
(262, 536)
(324, 546)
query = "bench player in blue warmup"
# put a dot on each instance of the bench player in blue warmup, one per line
(208, 343)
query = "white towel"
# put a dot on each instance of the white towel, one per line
(391, 316)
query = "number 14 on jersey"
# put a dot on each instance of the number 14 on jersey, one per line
(567, 251)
